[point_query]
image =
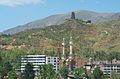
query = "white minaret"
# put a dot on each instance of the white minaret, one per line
(63, 54)
(71, 51)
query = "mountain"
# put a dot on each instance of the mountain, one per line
(86, 37)
(60, 18)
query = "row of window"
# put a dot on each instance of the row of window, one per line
(112, 69)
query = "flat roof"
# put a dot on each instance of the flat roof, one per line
(36, 55)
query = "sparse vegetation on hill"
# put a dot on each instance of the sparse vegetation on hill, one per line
(86, 37)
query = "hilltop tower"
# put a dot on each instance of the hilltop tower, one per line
(73, 15)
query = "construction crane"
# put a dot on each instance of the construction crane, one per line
(58, 48)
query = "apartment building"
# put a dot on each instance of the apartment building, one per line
(38, 60)
(54, 61)
(108, 68)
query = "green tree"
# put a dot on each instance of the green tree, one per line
(12, 75)
(0, 60)
(64, 72)
(1, 68)
(7, 67)
(47, 72)
(100, 55)
(15, 57)
(98, 74)
(1, 72)
(80, 73)
(112, 55)
(29, 73)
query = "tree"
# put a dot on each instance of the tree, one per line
(112, 55)
(29, 73)
(1, 72)
(64, 72)
(80, 73)
(0, 60)
(100, 55)
(7, 67)
(98, 74)
(1, 68)
(47, 72)
(15, 57)
(12, 75)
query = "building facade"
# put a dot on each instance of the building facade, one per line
(105, 66)
(38, 60)
(108, 68)
(54, 61)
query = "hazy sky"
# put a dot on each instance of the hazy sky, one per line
(19, 12)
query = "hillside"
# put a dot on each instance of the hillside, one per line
(86, 37)
(60, 18)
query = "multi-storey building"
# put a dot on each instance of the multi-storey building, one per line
(38, 60)
(105, 66)
(54, 61)
(108, 68)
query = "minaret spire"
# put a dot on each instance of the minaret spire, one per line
(63, 44)
(71, 48)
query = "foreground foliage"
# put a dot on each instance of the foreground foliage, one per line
(28, 73)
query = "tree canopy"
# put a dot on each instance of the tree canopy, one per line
(29, 73)
(64, 72)
(47, 72)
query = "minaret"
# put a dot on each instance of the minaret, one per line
(71, 48)
(63, 44)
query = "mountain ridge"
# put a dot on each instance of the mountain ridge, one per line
(60, 18)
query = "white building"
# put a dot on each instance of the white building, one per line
(107, 68)
(38, 60)
(54, 61)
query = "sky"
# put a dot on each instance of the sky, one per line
(19, 12)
